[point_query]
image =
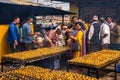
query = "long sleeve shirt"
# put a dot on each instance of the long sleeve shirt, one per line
(13, 34)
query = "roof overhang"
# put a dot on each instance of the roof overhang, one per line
(10, 8)
(36, 8)
(76, 1)
(68, 0)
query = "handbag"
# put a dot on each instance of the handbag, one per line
(76, 46)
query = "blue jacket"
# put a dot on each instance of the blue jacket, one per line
(13, 33)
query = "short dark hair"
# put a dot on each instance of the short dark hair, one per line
(59, 30)
(110, 17)
(81, 24)
(43, 32)
(74, 17)
(72, 21)
(29, 18)
(15, 17)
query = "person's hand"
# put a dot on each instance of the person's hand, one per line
(72, 37)
(69, 41)
(15, 43)
(52, 45)
(37, 33)
(89, 42)
(39, 43)
(33, 41)
(111, 32)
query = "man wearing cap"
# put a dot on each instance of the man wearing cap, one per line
(93, 35)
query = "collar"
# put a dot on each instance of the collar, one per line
(94, 22)
(13, 23)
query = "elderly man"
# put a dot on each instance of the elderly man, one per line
(93, 35)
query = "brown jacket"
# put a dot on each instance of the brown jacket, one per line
(116, 34)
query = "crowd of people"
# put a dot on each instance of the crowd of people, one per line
(82, 37)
